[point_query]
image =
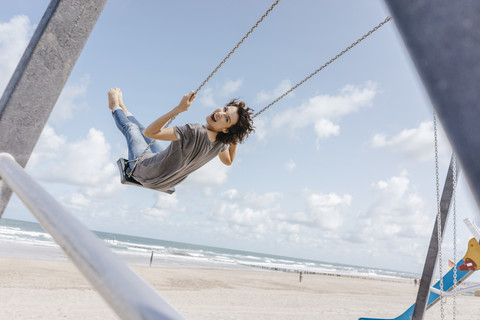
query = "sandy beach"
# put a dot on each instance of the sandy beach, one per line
(52, 289)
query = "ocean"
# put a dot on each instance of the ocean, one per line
(28, 240)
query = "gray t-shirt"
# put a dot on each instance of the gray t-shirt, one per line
(166, 169)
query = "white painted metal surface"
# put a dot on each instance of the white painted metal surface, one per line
(128, 295)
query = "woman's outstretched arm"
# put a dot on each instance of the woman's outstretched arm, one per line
(156, 131)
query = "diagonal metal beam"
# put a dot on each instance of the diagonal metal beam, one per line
(432, 254)
(40, 76)
(443, 39)
(126, 293)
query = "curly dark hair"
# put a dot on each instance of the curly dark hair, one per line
(240, 130)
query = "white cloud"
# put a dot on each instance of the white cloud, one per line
(266, 200)
(397, 215)
(208, 96)
(165, 205)
(230, 87)
(396, 221)
(166, 201)
(324, 210)
(214, 172)
(261, 128)
(246, 213)
(393, 189)
(79, 201)
(14, 38)
(50, 143)
(47, 147)
(417, 143)
(230, 194)
(263, 215)
(269, 96)
(106, 188)
(86, 162)
(249, 217)
(288, 228)
(83, 173)
(69, 101)
(325, 128)
(320, 111)
(290, 165)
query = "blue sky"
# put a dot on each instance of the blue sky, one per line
(342, 170)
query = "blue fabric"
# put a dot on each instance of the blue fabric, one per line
(132, 129)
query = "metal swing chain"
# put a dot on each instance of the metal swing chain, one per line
(238, 45)
(454, 160)
(325, 65)
(439, 218)
(232, 51)
(283, 95)
(209, 76)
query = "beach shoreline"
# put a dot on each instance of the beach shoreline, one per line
(12, 249)
(55, 289)
(38, 281)
(29, 240)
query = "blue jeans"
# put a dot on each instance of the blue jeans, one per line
(133, 132)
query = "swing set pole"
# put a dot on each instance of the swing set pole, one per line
(40, 76)
(443, 39)
(433, 248)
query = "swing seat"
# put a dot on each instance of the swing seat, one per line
(125, 179)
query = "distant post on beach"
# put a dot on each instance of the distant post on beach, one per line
(151, 258)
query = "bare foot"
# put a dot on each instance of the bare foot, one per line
(120, 100)
(113, 100)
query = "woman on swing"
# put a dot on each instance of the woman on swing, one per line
(191, 147)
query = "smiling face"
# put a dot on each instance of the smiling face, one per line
(222, 118)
